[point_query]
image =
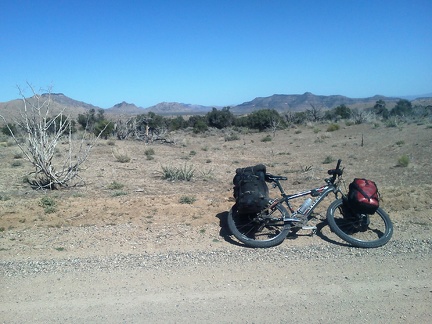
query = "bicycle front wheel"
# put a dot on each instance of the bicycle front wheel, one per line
(261, 230)
(360, 230)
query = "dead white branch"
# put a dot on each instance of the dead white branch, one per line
(43, 131)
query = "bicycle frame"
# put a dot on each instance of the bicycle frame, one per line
(319, 193)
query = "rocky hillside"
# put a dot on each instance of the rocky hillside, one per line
(279, 102)
(304, 101)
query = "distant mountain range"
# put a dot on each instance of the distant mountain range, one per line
(279, 102)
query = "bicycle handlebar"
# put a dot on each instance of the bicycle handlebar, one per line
(335, 172)
(272, 178)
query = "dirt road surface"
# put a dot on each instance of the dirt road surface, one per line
(317, 283)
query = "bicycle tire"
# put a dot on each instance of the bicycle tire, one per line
(264, 233)
(373, 231)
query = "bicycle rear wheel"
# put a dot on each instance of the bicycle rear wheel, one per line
(261, 230)
(361, 230)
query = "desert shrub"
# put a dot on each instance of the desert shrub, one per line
(403, 161)
(9, 129)
(231, 137)
(220, 118)
(333, 127)
(115, 185)
(391, 122)
(4, 198)
(187, 200)
(183, 173)
(328, 159)
(16, 163)
(48, 204)
(149, 153)
(266, 138)
(121, 157)
(399, 143)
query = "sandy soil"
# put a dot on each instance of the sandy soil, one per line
(138, 254)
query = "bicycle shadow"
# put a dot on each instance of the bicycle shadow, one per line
(226, 234)
(320, 233)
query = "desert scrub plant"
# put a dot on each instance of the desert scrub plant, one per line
(4, 197)
(16, 164)
(121, 157)
(149, 154)
(231, 137)
(267, 138)
(328, 159)
(43, 129)
(403, 161)
(333, 127)
(115, 185)
(183, 173)
(187, 200)
(49, 204)
(207, 174)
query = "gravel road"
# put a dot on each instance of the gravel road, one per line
(319, 283)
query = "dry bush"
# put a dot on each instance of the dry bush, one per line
(44, 130)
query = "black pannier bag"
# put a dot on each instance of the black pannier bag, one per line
(250, 189)
(363, 196)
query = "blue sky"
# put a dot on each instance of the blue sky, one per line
(214, 52)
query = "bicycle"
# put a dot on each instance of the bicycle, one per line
(272, 225)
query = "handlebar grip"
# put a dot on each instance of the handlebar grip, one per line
(338, 164)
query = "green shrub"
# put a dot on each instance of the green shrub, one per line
(391, 123)
(231, 137)
(184, 173)
(267, 138)
(115, 185)
(149, 152)
(332, 127)
(328, 159)
(403, 161)
(187, 200)
(16, 163)
(122, 158)
(49, 204)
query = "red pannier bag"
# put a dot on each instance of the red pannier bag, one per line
(363, 196)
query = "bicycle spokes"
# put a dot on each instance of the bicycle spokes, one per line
(360, 226)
